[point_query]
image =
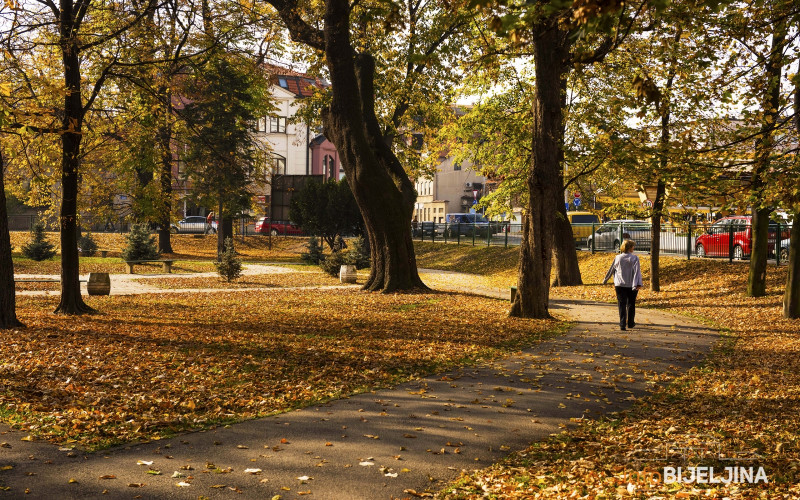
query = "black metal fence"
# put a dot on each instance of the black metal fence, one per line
(730, 239)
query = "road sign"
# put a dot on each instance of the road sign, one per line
(647, 204)
(577, 194)
(474, 202)
(577, 202)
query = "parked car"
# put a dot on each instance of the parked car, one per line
(275, 228)
(464, 224)
(716, 241)
(610, 235)
(424, 229)
(581, 223)
(195, 224)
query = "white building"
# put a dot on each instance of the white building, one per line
(455, 188)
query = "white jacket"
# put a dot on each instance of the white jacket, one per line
(626, 270)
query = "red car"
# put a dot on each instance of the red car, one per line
(265, 226)
(716, 242)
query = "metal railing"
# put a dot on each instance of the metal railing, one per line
(729, 241)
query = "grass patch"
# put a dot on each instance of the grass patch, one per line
(151, 366)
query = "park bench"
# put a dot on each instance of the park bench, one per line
(167, 264)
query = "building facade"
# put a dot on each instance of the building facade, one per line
(455, 188)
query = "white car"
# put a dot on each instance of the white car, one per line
(195, 224)
(610, 235)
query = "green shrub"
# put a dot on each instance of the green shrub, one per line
(314, 254)
(38, 248)
(229, 265)
(333, 262)
(358, 255)
(141, 244)
(87, 245)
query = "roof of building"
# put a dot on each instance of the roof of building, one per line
(300, 84)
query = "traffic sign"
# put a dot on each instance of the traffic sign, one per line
(577, 194)
(647, 204)
(577, 202)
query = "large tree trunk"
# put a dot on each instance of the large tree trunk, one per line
(8, 306)
(71, 300)
(382, 189)
(533, 289)
(165, 147)
(565, 255)
(757, 280)
(655, 236)
(791, 297)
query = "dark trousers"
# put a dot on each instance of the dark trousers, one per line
(626, 300)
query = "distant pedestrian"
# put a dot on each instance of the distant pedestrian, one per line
(627, 273)
(210, 222)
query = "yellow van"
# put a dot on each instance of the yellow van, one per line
(581, 223)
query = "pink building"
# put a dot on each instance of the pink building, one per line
(325, 159)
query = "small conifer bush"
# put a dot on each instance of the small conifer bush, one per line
(314, 254)
(358, 255)
(87, 245)
(229, 265)
(141, 244)
(38, 248)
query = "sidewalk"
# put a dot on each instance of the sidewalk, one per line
(383, 444)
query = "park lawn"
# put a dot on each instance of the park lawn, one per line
(112, 265)
(190, 246)
(148, 366)
(744, 399)
(310, 276)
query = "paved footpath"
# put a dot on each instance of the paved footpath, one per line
(391, 443)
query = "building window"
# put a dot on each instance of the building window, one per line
(278, 164)
(261, 124)
(277, 125)
(456, 166)
(282, 83)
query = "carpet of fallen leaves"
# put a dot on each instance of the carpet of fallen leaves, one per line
(37, 286)
(191, 246)
(743, 402)
(282, 280)
(113, 265)
(151, 365)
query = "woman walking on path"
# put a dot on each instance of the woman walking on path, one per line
(627, 274)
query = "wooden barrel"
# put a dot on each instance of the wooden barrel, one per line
(347, 274)
(99, 284)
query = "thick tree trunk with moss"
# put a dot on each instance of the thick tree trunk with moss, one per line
(565, 255)
(544, 189)
(382, 189)
(71, 299)
(8, 306)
